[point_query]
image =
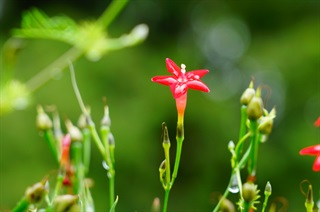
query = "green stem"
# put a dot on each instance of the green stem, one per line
(243, 127)
(107, 157)
(96, 137)
(166, 199)
(59, 181)
(53, 69)
(254, 149)
(236, 170)
(86, 149)
(76, 157)
(49, 137)
(177, 160)
(111, 12)
(265, 202)
(21, 206)
(224, 196)
(111, 176)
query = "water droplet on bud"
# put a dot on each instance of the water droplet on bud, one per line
(105, 165)
(234, 187)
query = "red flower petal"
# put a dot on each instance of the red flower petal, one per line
(316, 164)
(197, 85)
(173, 68)
(165, 80)
(196, 74)
(317, 122)
(311, 150)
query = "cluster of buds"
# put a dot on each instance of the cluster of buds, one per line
(251, 99)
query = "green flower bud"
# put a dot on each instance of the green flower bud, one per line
(268, 189)
(249, 192)
(106, 121)
(227, 206)
(309, 201)
(35, 193)
(255, 107)
(165, 136)
(43, 121)
(74, 132)
(247, 95)
(66, 203)
(266, 123)
(82, 121)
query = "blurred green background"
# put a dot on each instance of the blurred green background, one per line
(276, 43)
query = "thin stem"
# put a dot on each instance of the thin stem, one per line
(76, 150)
(111, 173)
(236, 170)
(254, 149)
(48, 135)
(224, 196)
(243, 127)
(53, 69)
(86, 149)
(111, 12)
(265, 202)
(76, 89)
(166, 198)
(96, 137)
(111, 189)
(177, 160)
(21, 206)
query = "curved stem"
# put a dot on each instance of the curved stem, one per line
(53, 69)
(225, 194)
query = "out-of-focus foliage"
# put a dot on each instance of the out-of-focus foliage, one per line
(276, 43)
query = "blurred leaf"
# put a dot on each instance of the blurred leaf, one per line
(36, 24)
(90, 37)
(14, 95)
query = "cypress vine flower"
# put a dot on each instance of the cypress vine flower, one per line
(314, 151)
(180, 82)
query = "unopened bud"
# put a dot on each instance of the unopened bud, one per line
(165, 136)
(82, 121)
(35, 193)
(162, 170)
(227, 206)
(231, 145)
(43, 121)
(265, 127)
(74, 131)
(111, 139)
(255, 107)
(309, 201)
(268, 189)
(249, 192)
(106, 121)
(266, 123)
(66, 203)
(247, 95)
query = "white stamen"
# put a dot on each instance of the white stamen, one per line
(183, 68)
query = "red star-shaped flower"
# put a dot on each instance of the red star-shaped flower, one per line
(314, 151)
(181, 80)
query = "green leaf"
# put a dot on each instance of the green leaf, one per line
(36, 24)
